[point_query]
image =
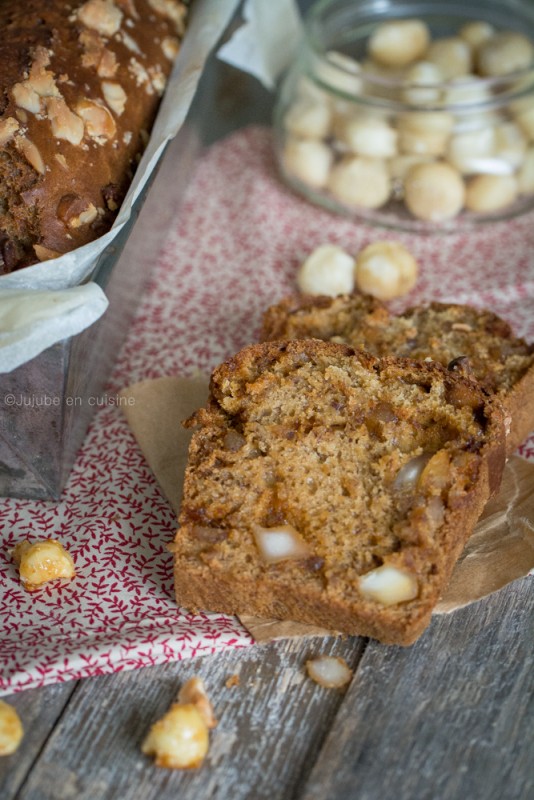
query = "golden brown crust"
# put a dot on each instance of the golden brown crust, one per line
(81, 82)
(502, 363)
(314, 436)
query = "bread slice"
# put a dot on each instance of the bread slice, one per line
(501, 363)
(331, 487)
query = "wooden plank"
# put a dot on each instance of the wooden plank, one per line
(451, 717)
(270, 730)
(39, 710)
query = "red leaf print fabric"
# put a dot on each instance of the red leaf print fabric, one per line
(236, 244)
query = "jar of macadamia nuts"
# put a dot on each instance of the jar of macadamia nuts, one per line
(417, 116)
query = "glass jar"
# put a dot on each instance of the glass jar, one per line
(412, 115)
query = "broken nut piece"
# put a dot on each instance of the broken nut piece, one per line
(42, 561)
(11, 731)
(331, 672)
(194, 692)
(180, 739)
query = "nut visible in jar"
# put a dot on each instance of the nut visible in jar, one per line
(386, 270)
(525, 176)
(308, 160)
(451, 55)
(487, 193)
(8, 127)
(368, 136)
(399, 42)
(476, 33)
(471, 152)
(510, 145)
(434, 192)
(425, 133)
(360, 181)
(340, 72)
(524, 115)
(504, 54)
(308, 119)
(422, 84)
(329, 270)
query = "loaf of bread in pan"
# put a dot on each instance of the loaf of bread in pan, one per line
(330, 487)
(478, 341)
(81, 82)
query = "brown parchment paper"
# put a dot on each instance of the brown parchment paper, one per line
(500, 550)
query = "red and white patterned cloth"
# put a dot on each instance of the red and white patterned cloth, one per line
(235, 247)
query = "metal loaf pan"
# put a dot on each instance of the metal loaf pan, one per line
(55, 395)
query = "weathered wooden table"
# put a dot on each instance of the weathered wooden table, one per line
(450, 717)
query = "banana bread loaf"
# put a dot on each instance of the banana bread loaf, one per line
(327, 486)
(477, 341)
(81, 82)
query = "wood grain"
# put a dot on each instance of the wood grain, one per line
(39, 711)
(271, 727)
(451, 717)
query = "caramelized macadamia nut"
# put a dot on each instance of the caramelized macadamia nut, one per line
(41, 562)
(180, 739)
(399, 42)
(329, 270)
(11, 731)
(386, 270)
(434, 192)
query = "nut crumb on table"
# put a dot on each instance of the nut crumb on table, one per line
(11, 731)
(180, 739)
